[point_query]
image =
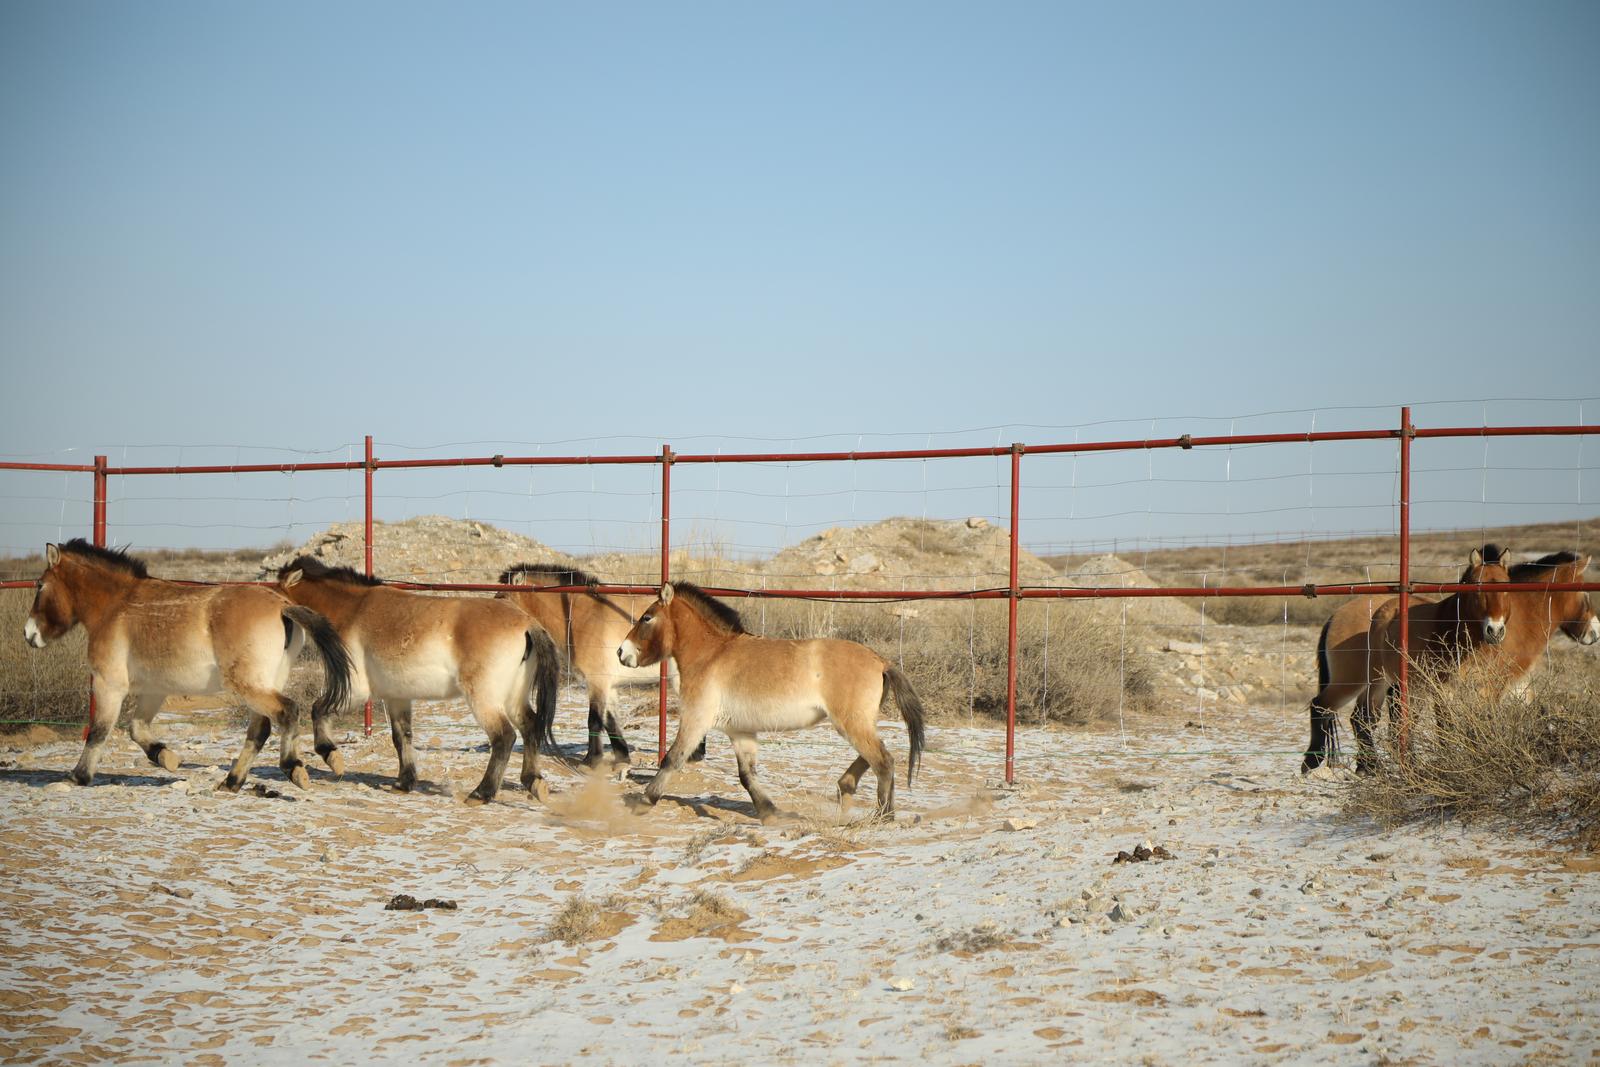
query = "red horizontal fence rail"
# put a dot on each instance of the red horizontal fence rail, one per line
(1013, 592)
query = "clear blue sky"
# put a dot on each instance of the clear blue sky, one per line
(292, 224)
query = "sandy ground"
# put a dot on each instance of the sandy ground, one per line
(151, 919)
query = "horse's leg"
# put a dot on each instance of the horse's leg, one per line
(289, 761)
(861, 730)
(744, 750)
(399, 712)
(619, 744)
(502, 738)
(592, 757)
(255, 736)
(322, 740)
(140, 716)
(1362, 717)
(693, 724)
(848, 782)
(107, 706)
(532, 778)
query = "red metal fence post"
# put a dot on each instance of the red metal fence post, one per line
(366, 715)
(1406, 433)
(1012, 602)
(666, 576)
(98, 532)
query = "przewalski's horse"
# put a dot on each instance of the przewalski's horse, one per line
(1535, 618)
(588, 627)
(742, 684)
(1442, 637)
(407, 646)
(153, 638)
(1344, 661)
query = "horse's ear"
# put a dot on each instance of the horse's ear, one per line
(666, 593)
(1505, 556)
(292, 579)
(1583, 565)
(52, 555)
(1476, 559)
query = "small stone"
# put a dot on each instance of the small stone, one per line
(901, 984)
(1185, 648)
(180, 786)
(1067, 920)
(58, 787)
(1258, 892)
(977, 522)
(1121, 913)
(1020, 824)
(734, 989)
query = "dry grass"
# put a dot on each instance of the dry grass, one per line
(48, 684)
(1072, 669)
(1434, 557)
(1534, 763)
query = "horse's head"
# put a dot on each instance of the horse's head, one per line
(1575, 611)
(1487, 566)
(650, 639)
(53, 612)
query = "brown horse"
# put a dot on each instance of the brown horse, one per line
(741, 684)
(1349, 650)
(407, 646)
(587, 626)
(1344, 661)
(1441, 638)
(1344, 655)
(1535, 618)
(153, 638)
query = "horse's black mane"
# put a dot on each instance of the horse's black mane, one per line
(115, 558)
(1525, 572)
(563, 574)
(315, 568)
(721, 614)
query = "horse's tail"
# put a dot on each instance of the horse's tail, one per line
(910, 710)
(1324, 724)
(544, 676)
(1324, 668)
(336, 665)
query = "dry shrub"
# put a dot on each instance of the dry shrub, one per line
(1532, 762)
(1073, 665)
(49, 684)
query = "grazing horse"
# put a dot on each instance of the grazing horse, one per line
(587, 626)
(153, 638)
(407, 646)
(740, 684)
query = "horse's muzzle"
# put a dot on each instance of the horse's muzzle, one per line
(1494, 632)
(31, 634)
(1591, 634)
(627, 654)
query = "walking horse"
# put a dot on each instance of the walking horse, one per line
(407, 646)
(587, 626)
(151, 638)
(739, 683)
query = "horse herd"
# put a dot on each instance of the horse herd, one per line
(150, 638)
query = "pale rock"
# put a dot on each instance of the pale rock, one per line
(901, 984)
(1020, 824)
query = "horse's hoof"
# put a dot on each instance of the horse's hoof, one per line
(335, 761)
(79, 778)
(168, 760)
(228, 785)
(540, 790)
(477, 799)
(300, 777)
